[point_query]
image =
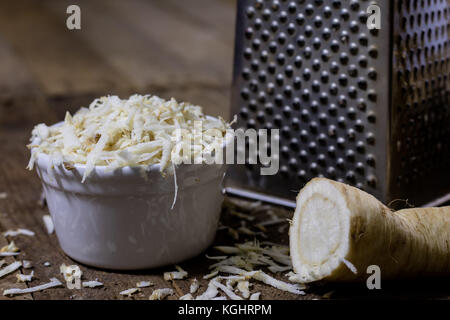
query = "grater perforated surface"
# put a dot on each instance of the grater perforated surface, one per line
(420, 107)
(315, 71)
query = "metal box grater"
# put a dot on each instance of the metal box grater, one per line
(365, 107)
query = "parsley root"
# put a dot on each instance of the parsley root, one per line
(337, 228)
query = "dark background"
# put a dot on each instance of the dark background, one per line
(171, 48)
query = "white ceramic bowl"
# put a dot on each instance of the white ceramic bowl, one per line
(121, 220)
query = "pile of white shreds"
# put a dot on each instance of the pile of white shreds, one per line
(138, 131)
(240, 262)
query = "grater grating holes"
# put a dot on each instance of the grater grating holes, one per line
(423, 55)
(313, 75)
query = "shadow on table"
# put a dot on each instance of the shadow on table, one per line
(425, 288)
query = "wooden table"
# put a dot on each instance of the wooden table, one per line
(169, 48)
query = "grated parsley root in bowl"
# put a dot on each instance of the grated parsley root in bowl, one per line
(116, 133)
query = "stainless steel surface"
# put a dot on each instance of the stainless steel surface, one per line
(420, 107)
(365, 107)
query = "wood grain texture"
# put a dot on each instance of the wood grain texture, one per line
(122, 45)
(56, 56)
(203, 55)
(216, 16)
(18, 90)
(122, 49)
(10, 281)
(172, 48)
(21, 210)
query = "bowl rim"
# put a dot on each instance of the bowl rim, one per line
(43, 161)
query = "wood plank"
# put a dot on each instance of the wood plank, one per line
(149, 51)
(21, 98)
(9, 155)
(133, 53)
(10, 281)
(217, 17)
(214, 102)
(204, 55)
(123, 46)
(14, 77)
(167, 49)
(22, 211)
(56, 56)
